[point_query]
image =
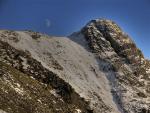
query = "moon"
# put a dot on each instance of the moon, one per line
(48, 22)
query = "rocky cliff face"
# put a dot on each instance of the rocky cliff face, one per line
(96, 70)
(128, 71)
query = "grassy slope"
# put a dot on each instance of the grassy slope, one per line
(22, 94)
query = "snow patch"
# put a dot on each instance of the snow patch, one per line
(78, 111)
(53, 92)
(1, 111)
(148, 71)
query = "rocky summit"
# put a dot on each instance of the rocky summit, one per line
(98, 69)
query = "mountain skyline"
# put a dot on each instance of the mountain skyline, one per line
(55, 17)
(96, 70)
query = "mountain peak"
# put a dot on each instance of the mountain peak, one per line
(105, 24)
(123, 45)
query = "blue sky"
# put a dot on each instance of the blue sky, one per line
(62, 17)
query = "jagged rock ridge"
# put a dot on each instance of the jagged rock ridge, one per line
(96, 70)
(128, 65)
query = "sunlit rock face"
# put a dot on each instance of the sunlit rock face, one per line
(96, 70)
(120, 41)
(127, 64)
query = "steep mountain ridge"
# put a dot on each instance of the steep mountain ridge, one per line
(96, 70)
(128, 65)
